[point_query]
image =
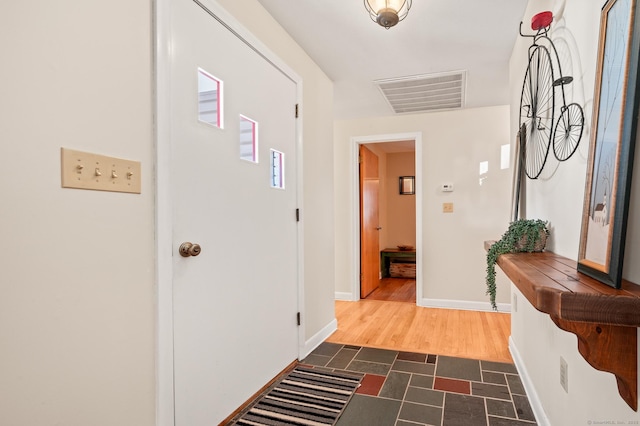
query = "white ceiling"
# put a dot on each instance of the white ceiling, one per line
(437, 36)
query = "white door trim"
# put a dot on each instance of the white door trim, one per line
(355, 207)
(165, 414)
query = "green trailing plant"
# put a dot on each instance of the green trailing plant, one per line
(523, 235)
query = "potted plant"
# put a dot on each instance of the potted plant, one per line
(523, 235)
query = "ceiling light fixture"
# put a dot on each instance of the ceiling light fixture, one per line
(387, 13)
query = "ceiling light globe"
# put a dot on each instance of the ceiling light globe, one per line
(387, 13)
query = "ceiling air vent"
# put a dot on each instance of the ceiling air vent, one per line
(430, 92)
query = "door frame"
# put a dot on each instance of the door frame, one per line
(165, 413)
(355, 207)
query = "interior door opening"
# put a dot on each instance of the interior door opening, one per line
(388, 235)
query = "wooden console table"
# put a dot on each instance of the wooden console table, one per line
(604, 319)
(393, 253)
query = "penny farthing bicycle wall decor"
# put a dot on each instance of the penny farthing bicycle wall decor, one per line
(538, 122)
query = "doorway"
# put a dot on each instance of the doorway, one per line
(398, 219)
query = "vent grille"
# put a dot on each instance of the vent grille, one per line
(424, 93)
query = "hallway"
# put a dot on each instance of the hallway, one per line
(421, 365)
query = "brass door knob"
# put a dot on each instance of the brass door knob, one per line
(189, 249)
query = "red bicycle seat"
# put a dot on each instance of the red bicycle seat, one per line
(541, 20)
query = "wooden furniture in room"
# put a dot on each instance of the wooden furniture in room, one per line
(389, 254)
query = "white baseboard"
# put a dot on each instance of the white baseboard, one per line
(318, 338)
(464, 305)
(340, 295)
(534, 399)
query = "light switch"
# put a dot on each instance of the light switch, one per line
(447, 207)
(84, 170)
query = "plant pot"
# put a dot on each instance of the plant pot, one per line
(521, 245)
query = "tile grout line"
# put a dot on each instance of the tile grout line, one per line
(444, 396)
(486, 411)
(484, 400)
(353, 359)
(335, 355)
(386, 377)
(513, 402)
(404, 395)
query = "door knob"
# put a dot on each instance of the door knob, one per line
(378, 228)
(188, 249)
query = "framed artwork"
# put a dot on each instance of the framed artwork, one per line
(613, 135)
(407, 185)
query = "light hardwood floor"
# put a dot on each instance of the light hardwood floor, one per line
(407, 327)
(396, 289)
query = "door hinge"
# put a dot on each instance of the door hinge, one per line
(297, 215)
(299, 318)
(359, 159)
(296, 110)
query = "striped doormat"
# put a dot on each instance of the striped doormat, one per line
(305, 396)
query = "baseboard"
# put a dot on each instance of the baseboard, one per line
(340, 295)
(463, 305)
(318, 338)
(534, 399)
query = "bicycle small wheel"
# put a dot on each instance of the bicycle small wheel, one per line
(537, 107)
(568, 131)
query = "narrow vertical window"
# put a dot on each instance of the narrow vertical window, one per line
(277, 169)
(209, 99)
(248, 139)
(484, 169)
(505, 156)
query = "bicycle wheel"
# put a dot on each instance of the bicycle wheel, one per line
(537, 104)
(568, 131)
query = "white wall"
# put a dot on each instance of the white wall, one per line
(558, 197)
(317, 125)
(454, 144)
(76, 267)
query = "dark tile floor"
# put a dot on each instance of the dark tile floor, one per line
(409, 389)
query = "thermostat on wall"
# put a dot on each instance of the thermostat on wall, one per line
(447, 187)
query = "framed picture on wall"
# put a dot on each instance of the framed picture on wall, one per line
(613, 135)
(407, 185)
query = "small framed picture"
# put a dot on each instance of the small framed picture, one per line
(407, 185)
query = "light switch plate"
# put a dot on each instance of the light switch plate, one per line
(447, 207)
(84, 170)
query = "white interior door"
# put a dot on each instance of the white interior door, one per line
(235, 304)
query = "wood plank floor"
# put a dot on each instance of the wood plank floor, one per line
(395, 289)
(407, 327)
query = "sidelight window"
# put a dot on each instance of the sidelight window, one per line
(248, 139)
(277, 169)
(209, 99)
